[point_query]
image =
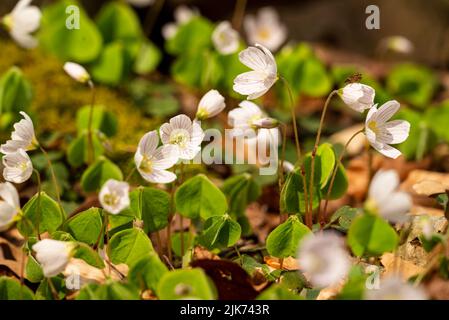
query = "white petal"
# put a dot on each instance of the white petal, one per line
(9, 193)
(165, 157)
(386, 111)
(396, 206)
(7, 214)
(398, 131)
(159, 176)
(383, 184)
(148, 143)
(388, 151)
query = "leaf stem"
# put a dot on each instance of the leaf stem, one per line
(239, 12)
(334, 173)
(91, 150)
(53, 176)
(292, 108)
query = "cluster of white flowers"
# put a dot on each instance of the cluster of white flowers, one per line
(183, 15)
(17, 164)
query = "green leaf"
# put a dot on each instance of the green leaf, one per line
(11, 289)
(102, 120)
(415, 84)
(344, 216)
(198, 197)
(40, 211)
(283, 241)
(129, 246)
(437, 119)
(81, 45)
(340, 185)
(186, 284)
(33, 270)
(370, 234)
(241, 190)
(147, 272)
(78, 153)
(118, 21)
(112, 290)
(152, 206)
(193, 36)
(278, 292)
(355, 286)
(315, 80)
(45, 292)
(98, 173)
(220, 232)
(189, 240)
(89, 255)
(147, 58)
(15, 91)
(113, 65)
(85, 226)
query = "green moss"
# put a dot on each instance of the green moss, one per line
(57, 97)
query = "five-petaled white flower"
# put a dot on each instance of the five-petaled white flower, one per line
(385, 199)
(225, 38)
(182, 14)
(211, 104)
(265, 29)
(249, 117)
(22, 137)
(9, 204)
(257, 82)
(184, 134)
(23, 20)
(76, 72)
(152, 162)
(114, 196)
(358, 96)
(140, 3)
(381, 133)
(53, 255)
(324, 259)
(394, 288)
(18, 166)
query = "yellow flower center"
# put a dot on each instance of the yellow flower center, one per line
(8, 22)
(373, 126)
(179, 138)
(111, 199)
(146, 165)
(202, 113)
(371, 206)
(264, 34)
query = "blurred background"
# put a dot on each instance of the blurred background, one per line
(340, 24)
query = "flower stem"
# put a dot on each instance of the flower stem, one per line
(91, 149)
(292, 108)
(315, 147)
(152, 15)
(334, 173)
(53, 175)
(39, 208)
(239, 12)
(308, 215)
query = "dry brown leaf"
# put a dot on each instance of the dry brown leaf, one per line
(288, 263)
(395, 265)
(202, 253)
(416, 177)
(261, 221)
(330, 292)
(357, 144)
(420, 210)
(429, 187)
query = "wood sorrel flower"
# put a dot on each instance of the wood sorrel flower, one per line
(77, 72)
(184, 135)
(18, 167)
(381, 133)
(385, 199)
(114, 196)
(9, 204)
(211, 104)
(225, 38)
(357, 96)
(22, 137)
(53, 255)
(152, 162)
(324, 259)
(183, 14)
(394, 288)
(23, 20)
(256, 83)
(265, 29)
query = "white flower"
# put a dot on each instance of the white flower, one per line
(183, 14)
(18, 167)
(225, 39)
(248, 117)
(324, 259)
(385, 199)
(265, 29)
(394, 288)
(77, 72)
(22, 22)
(22, 137)
(257, 82)
(9, 204)
(211, 104)
(53, 255)
(398, 44)
(186, 136)
(427, 227)
(140, 3)
(288, 166)
(114, 196)
(152, 162)
(357, 96)
(381, 133)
